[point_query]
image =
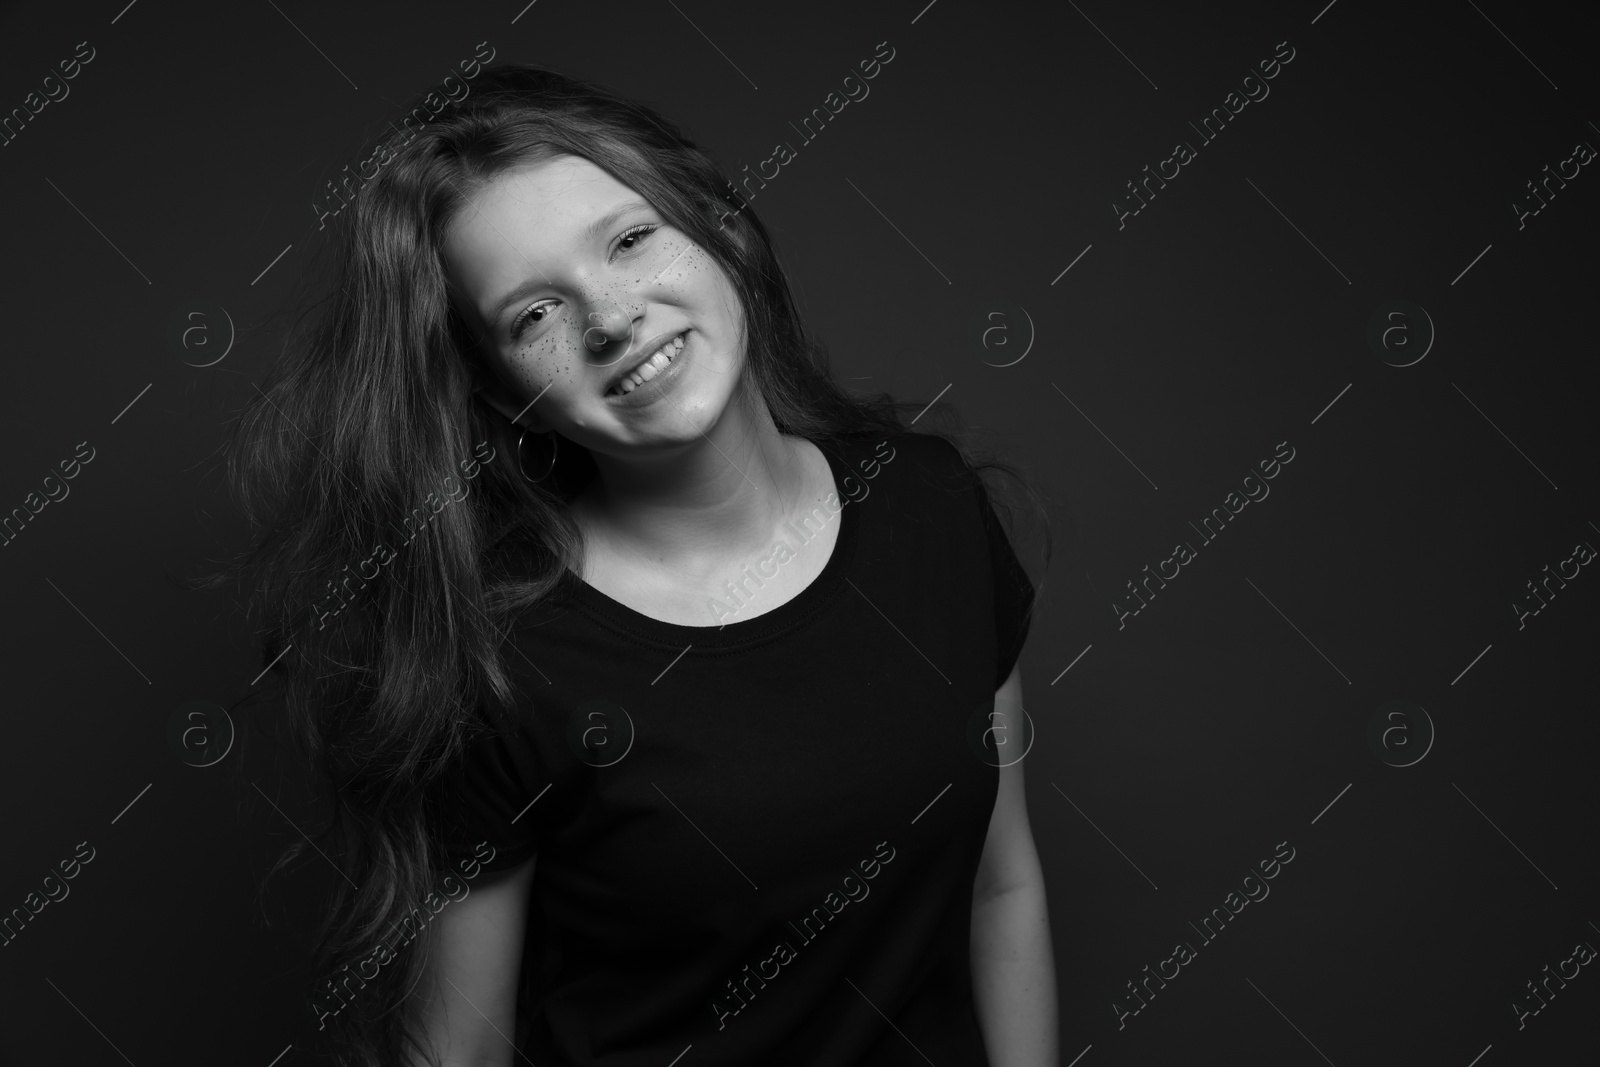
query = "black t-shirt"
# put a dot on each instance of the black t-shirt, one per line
(757, 841)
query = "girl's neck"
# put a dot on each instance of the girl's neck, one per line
(720, 495)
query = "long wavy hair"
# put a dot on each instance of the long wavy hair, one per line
(370, 416)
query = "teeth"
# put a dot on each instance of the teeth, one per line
(650, 367)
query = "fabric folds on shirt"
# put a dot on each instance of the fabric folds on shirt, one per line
(757, 841)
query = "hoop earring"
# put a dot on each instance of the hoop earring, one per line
(548, 469)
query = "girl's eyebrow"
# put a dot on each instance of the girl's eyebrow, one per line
(605, 222)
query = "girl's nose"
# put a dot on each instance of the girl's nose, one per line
(606, 325)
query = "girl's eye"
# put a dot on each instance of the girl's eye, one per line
(526, 318)
(636, 234)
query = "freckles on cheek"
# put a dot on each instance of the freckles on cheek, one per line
(542, 362)
(675, 259)
(690, 273)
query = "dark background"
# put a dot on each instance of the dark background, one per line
(1230, 315)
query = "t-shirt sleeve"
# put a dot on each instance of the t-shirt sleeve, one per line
(1013, 591)
(489, 802)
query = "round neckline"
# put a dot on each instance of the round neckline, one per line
(810, 599)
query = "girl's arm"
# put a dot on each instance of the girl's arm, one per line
(1013, 964)
(474, 964)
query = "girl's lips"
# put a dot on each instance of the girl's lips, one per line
(655, 387)
(616, 387)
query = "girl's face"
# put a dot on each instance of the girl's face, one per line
(572, 279)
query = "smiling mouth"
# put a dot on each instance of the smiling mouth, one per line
(658, 362)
